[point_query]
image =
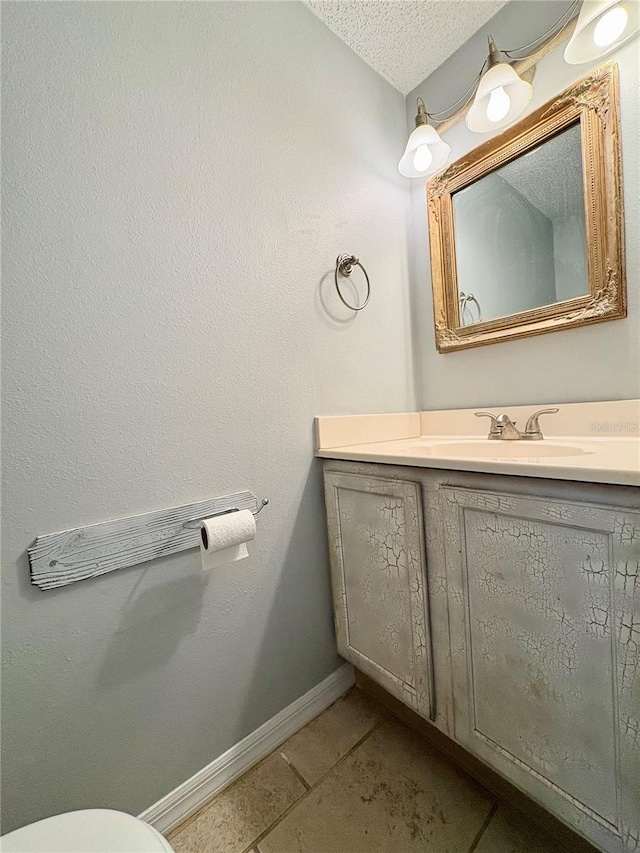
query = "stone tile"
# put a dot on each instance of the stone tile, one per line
(315, 749)
(237, 816)
(510, 832)
(392, 794)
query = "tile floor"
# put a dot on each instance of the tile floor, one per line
(356, 780)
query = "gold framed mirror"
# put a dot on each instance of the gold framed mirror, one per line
(526, 231)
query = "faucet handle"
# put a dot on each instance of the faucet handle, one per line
(494, 429)
(532, 429)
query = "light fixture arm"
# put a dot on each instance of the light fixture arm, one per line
(494, 54)
(422, 116)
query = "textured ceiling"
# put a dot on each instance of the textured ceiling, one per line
(550, 176)
(404, 40)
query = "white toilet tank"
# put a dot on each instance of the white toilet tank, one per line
(87, 831)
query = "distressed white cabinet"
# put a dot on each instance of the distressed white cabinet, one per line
(378, 575)
(519, 636)
(544, 609)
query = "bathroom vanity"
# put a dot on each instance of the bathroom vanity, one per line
(502, 606)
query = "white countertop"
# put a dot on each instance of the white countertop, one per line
(605, 460)
(605, 447)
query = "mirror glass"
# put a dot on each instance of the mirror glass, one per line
(520, 233)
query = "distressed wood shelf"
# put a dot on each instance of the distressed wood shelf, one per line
(58, 559)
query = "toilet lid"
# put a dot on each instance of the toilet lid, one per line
(87, 831)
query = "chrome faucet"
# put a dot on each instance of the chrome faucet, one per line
(504, 429)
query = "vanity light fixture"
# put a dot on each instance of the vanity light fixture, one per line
(425, 152)
(602, 26)
(498, 93)
(501, 95)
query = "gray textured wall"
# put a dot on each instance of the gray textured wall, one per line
(599, 362)
(179, 178)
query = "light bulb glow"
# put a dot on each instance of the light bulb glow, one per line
(610, 27)
(422, 158)
(499, 104)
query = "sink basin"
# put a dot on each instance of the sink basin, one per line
(496, 449)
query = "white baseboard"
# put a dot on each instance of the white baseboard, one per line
(188, 797)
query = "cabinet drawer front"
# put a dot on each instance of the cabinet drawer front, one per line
(379, 582)
(545, 628)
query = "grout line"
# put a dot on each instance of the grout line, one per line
(485, 824)
(441, 752)
(295, 771)
(256, 841)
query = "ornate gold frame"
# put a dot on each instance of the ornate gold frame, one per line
(593, 102)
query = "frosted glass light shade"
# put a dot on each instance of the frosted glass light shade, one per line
(601, 28)
(428, 136)
(502, 79)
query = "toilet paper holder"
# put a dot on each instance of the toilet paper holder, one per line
(81, 553)
(191, 523)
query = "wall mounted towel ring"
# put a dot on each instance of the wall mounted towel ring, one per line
(465, 300)
(344, 266)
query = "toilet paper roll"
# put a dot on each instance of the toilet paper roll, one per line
(223, 538)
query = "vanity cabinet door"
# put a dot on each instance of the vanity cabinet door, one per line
(379, 582)
(544, 607)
